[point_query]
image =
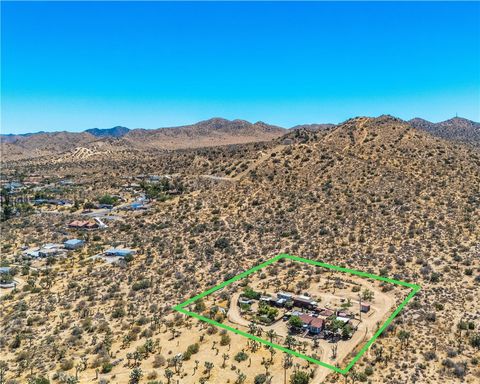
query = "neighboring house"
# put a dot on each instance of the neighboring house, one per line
(314, 325)
(5, 270)
(80, 224)
(119, 252)
(50, 249)
(137, 206)
(73, 244)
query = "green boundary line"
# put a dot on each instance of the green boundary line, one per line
(415, 288)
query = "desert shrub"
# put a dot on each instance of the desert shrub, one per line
(299, 377)
(66, 365)
(225, 340)
(106, 367)
(260, 379)
(241, 356)
(159, 361)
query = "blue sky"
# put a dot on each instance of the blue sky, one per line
(74, 66)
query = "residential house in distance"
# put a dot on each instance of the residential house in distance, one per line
(73, 244)
(80, 224)
(50, 249)
(120, 252)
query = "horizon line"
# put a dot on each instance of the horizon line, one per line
(223, 118)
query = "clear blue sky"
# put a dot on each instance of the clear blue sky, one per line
(73, 66)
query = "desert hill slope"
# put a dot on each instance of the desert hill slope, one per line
(457, 129)
(372, 194)
(211, 132)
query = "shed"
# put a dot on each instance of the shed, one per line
(364, 307)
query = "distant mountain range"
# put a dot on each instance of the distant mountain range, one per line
(117, 131)
(212, 132)
(456, 129)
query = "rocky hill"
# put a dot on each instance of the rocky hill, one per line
(117, 131)
(457, 129)
(202, 134)
(372, 194)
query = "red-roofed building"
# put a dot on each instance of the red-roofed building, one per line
(314, 324)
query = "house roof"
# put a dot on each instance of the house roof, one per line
(73, 242)
(317, 323)
(312, 321)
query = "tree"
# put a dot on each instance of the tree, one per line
(295, 322)
(225, 357)
(3, 370)
(404, 336)
(290, 341)
(168, 375)
(299, 377)
(475, 341)
(260, 379)
(135, 375)
(367, 295)
(208, 368)
(7, 207)
(272, 335)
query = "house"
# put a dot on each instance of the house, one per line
(80, 224)
(4, 270)
(137, 206)
(284, 295)
(73, 244)
(364, 307)
(50, 249)
(314, 325)
(119, 252)
(304, 302)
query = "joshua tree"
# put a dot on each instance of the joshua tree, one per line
(208, 368)
(286, 363)
(225, 357)
(272, 335)
(168, 375)
(3, 370)
(135, 376)
(290, 341)
(240, 378)
(334, 351)
(404, 336)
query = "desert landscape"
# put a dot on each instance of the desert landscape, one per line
(99, 244)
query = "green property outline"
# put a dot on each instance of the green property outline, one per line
(415, 288)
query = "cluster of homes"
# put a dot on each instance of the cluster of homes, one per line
(313, 318)
(53, 249)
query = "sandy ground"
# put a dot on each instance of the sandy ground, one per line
(382, 305)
